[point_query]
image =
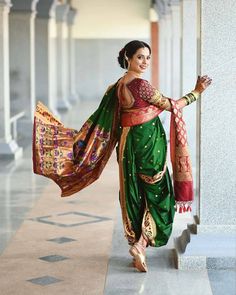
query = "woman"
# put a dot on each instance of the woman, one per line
(128, 114)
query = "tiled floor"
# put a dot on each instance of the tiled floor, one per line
(52, 245)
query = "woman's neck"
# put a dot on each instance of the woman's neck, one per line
(133, 74)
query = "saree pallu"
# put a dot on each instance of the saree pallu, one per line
(74, 159)
(146, 194)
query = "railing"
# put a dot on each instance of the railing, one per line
(13, 121)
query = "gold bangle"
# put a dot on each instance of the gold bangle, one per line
(191, 97)
(187, 102)
(196, 94)
(187, 98)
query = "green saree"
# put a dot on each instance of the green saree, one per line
(74, 159)
(146, 206)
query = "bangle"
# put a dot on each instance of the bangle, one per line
(196, 94)
(191, 97)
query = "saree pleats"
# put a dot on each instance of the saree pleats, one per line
(76, 158)
(147, 199)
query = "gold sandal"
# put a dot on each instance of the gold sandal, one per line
(139, 259)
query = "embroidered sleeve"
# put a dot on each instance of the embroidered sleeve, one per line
(152, 95)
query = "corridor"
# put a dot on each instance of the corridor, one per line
(64, 54)
(53, 245)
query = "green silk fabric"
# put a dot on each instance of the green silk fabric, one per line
(145, 152)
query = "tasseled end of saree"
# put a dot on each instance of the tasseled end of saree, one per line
(182, 207)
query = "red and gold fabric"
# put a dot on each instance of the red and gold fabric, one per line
(75, 159)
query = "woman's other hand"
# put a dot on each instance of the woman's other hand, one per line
(202, 83)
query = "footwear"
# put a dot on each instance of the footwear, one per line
(139, 258)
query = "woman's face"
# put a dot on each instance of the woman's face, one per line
(140, 60)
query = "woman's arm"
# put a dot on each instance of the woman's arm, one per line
(163, 102)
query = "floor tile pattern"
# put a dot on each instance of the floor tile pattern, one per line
(90, 219)
(45, 280)
(53, 258)
(61, 240)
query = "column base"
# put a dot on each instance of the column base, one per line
(206, 250)
(63, 105)
(10, 150)
(74, 98)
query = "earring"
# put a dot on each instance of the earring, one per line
(127, 60)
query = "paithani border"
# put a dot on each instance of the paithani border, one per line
(129, 233)
(138, 116)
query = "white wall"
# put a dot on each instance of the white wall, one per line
(101, 29)
(122, 19)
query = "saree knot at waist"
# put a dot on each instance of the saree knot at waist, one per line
(136, 116)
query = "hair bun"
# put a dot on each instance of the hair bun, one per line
(121, 58)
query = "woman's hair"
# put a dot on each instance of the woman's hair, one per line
(129, 50)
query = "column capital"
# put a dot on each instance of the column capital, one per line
(162, 7)
(46, 8)
(71, 16)
(5, 3)
(62, 12)
(24, 5)
(153, 15)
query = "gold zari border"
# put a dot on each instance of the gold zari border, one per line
(153, 179)
(129, 233)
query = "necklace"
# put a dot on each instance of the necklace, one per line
(133, 74)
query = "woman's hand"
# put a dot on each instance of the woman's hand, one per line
(202, 83)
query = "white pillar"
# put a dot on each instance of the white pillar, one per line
(175, 50)
(22, 63)
(46, 69)
(162, 54)
(213, 245)
(62, 58)
(73, 96)
(8, 147)
(165, 57)
(168, 57)
(189, 75)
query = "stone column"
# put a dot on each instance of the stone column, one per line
(168, 56)
(8, 147)
(62, 58)
(46, 69)
(213, 245)
(164, 14)
(154, 27)
(189, 75)
(161, 48)
(73, 96)
(22, 63)
(175, 50)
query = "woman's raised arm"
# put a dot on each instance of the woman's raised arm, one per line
(153, 96)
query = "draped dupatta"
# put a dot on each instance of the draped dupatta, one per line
(74, 159)
(180, 159)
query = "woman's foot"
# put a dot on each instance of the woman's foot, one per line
(138, 252)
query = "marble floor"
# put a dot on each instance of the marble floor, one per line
(53, 245)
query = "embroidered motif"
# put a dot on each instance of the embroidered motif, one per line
(184, 164)
(153, 179)
(150, 94)
(149, 229)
